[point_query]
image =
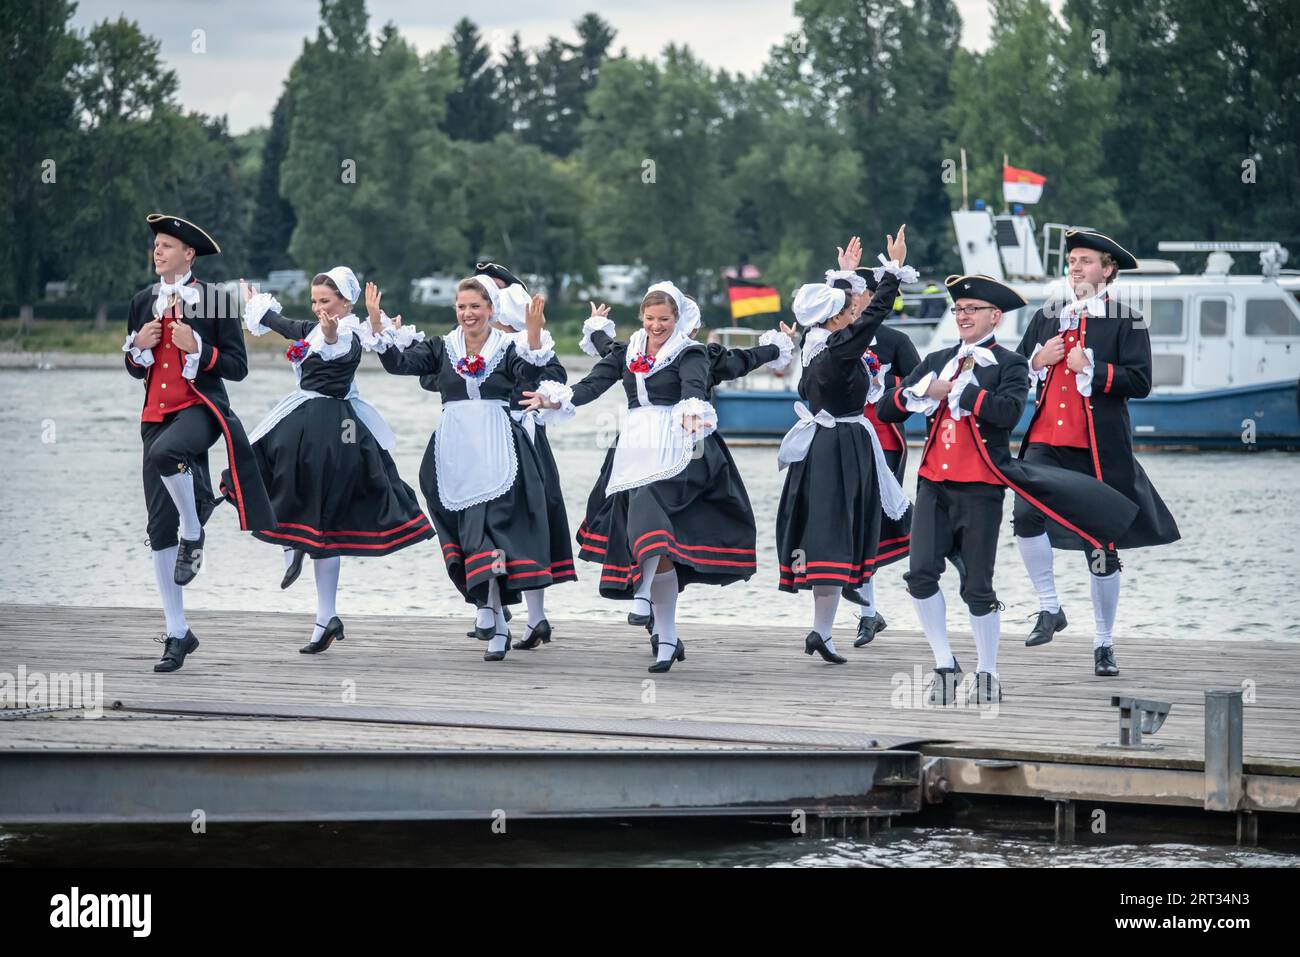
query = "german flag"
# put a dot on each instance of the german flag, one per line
(751, 298)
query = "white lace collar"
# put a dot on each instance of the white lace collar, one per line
(494, 348)
(667, 352)
(814, 343)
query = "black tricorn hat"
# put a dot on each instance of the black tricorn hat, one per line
(868, 273)
(985, 288)
(1091, 239)
(498, 271)
(185, 231)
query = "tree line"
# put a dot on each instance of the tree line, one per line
(1150, 119)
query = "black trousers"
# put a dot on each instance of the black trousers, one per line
(178, 443)
(1028, 521)
(962, 518)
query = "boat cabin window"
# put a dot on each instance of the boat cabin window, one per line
(1166, 319)
(1214, 318)
(1270, 317)
(1166, 369)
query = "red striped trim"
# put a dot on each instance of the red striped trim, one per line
(979, 400)
(600, 538)
(212, 361)
(230, 455)
(392, 531)
(1110, 376)
(376, 546)
(1087, 410)
(901, 407)
(702, 548)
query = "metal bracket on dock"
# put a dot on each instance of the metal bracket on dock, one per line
(1063, 825)
(1224, 784)
(1138, 716)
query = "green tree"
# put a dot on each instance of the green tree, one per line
(474, 108)
(271, 219)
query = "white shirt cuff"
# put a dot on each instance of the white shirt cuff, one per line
(705, 412)
(915, 399)
(1083, 380)
(192, 359)
(595, 324)
(141, 357)
(538, 357)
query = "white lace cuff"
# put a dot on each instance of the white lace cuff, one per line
(857, 285)
(904, 273)
(775, 337)
(371, 341)
(877, 387)
(338, 349)
(915, 399)
(954, 394)
(553, 391)
(192, 359)
(595, 324)
(399, 336)
(702, 410)
(1083, 380)
(257, 307)
(1039, 374)
(540, 356)
(141, 357)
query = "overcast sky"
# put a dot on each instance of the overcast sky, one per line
(251, 43)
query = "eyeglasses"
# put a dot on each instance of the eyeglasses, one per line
(969, 310)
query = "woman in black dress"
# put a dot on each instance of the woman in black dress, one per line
(481, 476)
(828, 525)
(324, 453)
(670, 507)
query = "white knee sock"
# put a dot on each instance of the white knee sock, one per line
(867, 592)
(181, 488)
(664, 596)
(172, 595)
(987, 629)
(501, 637)
(826, 599)
(536, 600)
(1037, 555)
(641, 601)
(1105, 602)
(327, 591)
(933, 613)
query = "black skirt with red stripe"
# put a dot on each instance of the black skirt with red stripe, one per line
(334, 497)
(509, 539)
(830, 529)
(700, 519)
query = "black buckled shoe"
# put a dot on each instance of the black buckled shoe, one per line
(174, 651)
(498, 655)
(945, 684)
(816, 643)
(985, 689)
(332, 631)
(659, 667)
(485, 634)
(645, 621)
(1103, 660)
(1047, 624)
(189, 559)
(868, 628)
(294, 570)
(538, 634)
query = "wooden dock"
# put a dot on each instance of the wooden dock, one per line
(252, 730)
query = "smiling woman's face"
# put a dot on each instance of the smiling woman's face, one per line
(325, 301)
(473, 311)
(658, 321)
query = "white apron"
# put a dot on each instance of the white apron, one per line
(474, 452)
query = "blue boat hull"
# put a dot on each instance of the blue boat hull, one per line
(1254, 416)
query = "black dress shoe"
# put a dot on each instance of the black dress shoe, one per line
(659, 667)
(1046, 625)
(815, 643)
(868, 628)
(333, 630)
(497, 655)
(654, 645)
(174, 651)
(646, 621)
(946, 684)
(485, 634)
(189, 558)
(1103, 659)
(294, 570)
(540, 634)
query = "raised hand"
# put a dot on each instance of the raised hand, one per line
(599, 312)
(896, 247)
(329, 327)
(788, 330)
(851, 255)
(534, 319)
(373, 298)
(150, 335)
(247, 290)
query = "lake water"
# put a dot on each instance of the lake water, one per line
(72, 519)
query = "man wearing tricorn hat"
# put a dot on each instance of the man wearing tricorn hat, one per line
(973, 395)
(1089, 357)
(182, 343)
